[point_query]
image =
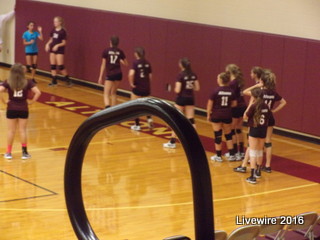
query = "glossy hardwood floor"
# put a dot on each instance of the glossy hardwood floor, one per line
(133, 188)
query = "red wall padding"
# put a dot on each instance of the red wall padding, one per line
(294, 60)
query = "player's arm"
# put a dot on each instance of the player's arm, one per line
(48, 44)
(234, 103)
(177, 87)
(150, 76)
(282, 103)
(25, 42)
(36, 96)
(62, 44)
(2, 89)
(40, 33)
(209, 108)
(196, 85)
(124, 62)
(131, 77)
(102, 70)
(247, 91)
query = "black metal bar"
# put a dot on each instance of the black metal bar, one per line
(200, 174)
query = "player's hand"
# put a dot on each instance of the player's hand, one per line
(31, 41)
(259, 84)
(39, 28)
(55, 48)
(47, 48)
(132, 85)
(100, 81)
(30, 102)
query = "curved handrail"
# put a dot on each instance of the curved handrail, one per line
(199, 169)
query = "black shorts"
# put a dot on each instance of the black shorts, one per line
(140, 93)
(225, 121)
(272, 121)
(60, 51)
(237, 112)
(32, 54)
(185, 101)
(258, 132)
(115, 77)
(12, 114)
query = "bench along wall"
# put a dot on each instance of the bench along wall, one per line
(210, 48)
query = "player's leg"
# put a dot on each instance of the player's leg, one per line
(12, 126)
(107, 93)
(29, 63)
(217, 130)
(260, 142)
(240, 138)
(268, 149)
(173, 139)
(228, 136)
(61, 67)
(253, 153)
(234, 136)
(136, 126)
(53, 66)
(34, 62)
(189, 112)
(22, 122)
(113, 92)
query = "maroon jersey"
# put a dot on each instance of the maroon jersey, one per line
(222, 99)
(270, 97)
(57, 37)
(113, 57)
(265, 115)
(18, 99)
(238, 93)
(187, 84)
(142, 69)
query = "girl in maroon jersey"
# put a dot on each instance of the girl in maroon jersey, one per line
(257, 115)
(237, 84)
(187, 82)
(112, 58)
(140, 76)
(270, 97)
(17, 106)
(56, 47)
(219, 112)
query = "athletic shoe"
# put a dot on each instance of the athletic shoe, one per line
(7, 155)
(227, 155)
(242, 155)
(252, 180)
(150, 123)
(52, 84)
(216, 158)
(257, 173)
(240, 169)
(25, 156)
(136, 127)
(232, 158)
(266, 169)
(169, 145)
(238, 156)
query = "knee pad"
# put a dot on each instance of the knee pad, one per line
(61, 67)
(53, 67)
(192, 120)
(34, 66)
(238, 131)
(268, 145)
(228, 136)
(233, 132)
(259, 153)
(217, 136)
(253, 153)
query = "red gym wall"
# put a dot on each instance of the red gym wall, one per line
(296, 61)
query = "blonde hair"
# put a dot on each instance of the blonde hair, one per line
(61, 20)
(16, 79)
(234, 70)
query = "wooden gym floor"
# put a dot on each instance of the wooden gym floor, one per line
(133, 188)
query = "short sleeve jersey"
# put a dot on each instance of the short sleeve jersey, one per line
(187, 81)
(265, 115)
(222, 98)
(57, 38)
(270, 97)
(113, 57)
(142, 69)
(18, 99)
(238, 93)
(28, 36)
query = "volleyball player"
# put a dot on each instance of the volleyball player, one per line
(219, 112)
(187, 82)
(140, 76)
(270, 96)
(237, 84)
(18, 88)
(3, 19)
(257, 115)
(112, 58)
(56, 46)
(31, 48)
